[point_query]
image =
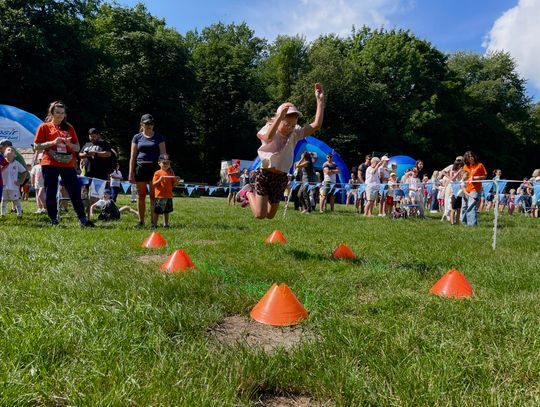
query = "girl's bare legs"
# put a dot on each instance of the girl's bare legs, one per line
(258, 204)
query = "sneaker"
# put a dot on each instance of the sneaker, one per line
(139, 225)
(54, 222)
(154, 226)
(166, 226)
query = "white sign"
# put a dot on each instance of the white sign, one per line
(10, 133)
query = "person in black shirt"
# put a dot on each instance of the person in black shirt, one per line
(96, 155)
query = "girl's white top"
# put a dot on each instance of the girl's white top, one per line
(280, 150)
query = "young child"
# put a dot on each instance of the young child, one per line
(38, 183)
(3, 163)
(10, 176)
(511, 201)
(163, 183)
(108, 208)
(278, 140)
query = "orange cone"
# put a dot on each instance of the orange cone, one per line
(178, 261)
(279, 306)
(343, 251)
(452, 285)
(154, 241)
(276, 237)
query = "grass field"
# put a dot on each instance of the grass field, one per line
(84, 322)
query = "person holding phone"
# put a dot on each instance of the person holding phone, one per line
(57, 139)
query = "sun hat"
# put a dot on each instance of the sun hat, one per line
(292, 109)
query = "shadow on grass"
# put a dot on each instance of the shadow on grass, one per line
(305, 255)
(221, 226)
(422, 268)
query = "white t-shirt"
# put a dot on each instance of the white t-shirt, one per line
(372, 176)
(331, 178)
(10, 175)
(115, 182)
(384, 173)
(37, 173)
(415, 186)
(100, 203)
(280, 150)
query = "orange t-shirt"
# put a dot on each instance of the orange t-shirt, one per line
(232, 172)
(476, 170)
(48, 132)
(164, 189)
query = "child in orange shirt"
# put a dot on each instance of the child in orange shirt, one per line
(163, 183)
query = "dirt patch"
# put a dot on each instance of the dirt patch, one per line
(291, 401)
(240, 329)
(152, 258)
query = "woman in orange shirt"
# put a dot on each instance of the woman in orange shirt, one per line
(58, 141)
(475, 172)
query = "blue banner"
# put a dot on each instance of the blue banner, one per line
(486, 187)
(361, 189)
(404, 188)
(501, 184)
(190, 190)
(331, 188)
(211, 190)
(84, 180)
(456, 187)
(125, 186)
(293, 184)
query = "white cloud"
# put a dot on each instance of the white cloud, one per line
(311, 18)
(517, 31)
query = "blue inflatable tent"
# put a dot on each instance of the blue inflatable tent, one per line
(312, 144)
(404, 162)
(18, 126)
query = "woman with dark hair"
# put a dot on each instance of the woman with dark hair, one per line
(146, 148)
(419, 165)
(475, 172)
(58, 141)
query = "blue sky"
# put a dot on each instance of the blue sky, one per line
(451, 25)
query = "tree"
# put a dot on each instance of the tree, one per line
(43, 52)
(224, 59)
(495, 121)
(143, 67)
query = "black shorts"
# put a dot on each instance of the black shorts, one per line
(163, 205)
(271, 184)
(456, 202)
(144, 172)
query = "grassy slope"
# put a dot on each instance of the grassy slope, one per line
(84, 322)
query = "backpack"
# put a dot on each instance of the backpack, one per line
(109, 211)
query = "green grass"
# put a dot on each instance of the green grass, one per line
(84, 322)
